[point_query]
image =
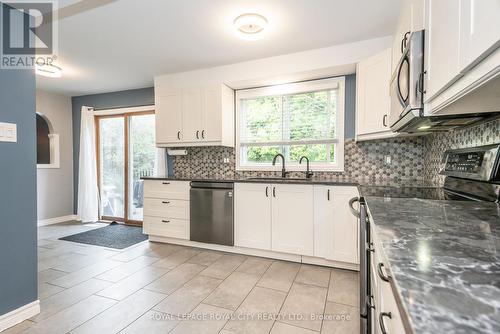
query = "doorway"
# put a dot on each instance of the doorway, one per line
(126, 151)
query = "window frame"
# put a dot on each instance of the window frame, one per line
(296, 88)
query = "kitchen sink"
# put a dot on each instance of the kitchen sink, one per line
(280, 179)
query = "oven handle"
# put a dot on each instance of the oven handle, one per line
(351, 206)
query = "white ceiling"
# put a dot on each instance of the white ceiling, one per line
(114, 45)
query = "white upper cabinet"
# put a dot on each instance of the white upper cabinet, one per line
(373, 76)
(252, 215)
(336, 230)
(292, 219)
(442, 45)
(479, 30)
(197, 116)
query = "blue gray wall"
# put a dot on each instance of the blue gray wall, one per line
(18, 239)
(122, 99)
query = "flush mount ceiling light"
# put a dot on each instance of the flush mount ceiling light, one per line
(250, 26)
(48, 70)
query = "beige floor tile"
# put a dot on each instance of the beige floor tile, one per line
(230, 293)
(185, 299)
(76, 262)
(86, 273)
(46, 290)
(152, 322)
(250, 315)
(313, 275)
(175, 278)
(122, 314)
(224, 266)
(304, 306)
(68, 297)
(344, 287)
(255, 265)
(206, 258)
(280, 275)
(207, 319)
(49, 275)
(281, 328)
(161, 250)
(133, 252)
(20, 327)
(177, 258)
(340, 319)
(133, 283)
(127, 269)
(72, 316)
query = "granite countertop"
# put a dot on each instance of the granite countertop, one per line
(444, 257)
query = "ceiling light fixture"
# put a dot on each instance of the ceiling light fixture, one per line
(48, 70)
(424, 127)
(250, 26)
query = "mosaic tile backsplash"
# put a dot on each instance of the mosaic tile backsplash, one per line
(363, 160)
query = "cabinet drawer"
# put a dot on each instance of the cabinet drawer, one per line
(166, 208)
(171, 227)
(167, 189)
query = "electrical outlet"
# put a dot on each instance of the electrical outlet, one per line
(226, 160)
(387, 159)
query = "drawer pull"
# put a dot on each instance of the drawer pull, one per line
(165, 202)
(165, 221)
(381, 274)
(166, 182)
(381, 320)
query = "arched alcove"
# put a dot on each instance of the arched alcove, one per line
(47, 143)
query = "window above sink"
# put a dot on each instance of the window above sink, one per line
(298, 119)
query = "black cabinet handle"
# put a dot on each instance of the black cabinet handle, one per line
(383, 277)
(165, 202)
(166, 182)
(328, 194)
(381, 320)
(203, 134)
(165, 221)
(384, 120)
(197, 134)
(179, 135)
(274, 191)
(267, 189)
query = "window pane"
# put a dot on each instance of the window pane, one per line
(309, 115)
(259, 154)
(260, 119)
(112, 166)
(315, 153)
(142, 151)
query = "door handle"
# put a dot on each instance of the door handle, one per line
(197, 134)
(203, 134)
(274, 191)
(384, 120)
(179, 135)
(351, 206)
(383, 277)
(381, 320)
(267, 189)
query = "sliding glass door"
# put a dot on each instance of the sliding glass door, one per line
(126, 151)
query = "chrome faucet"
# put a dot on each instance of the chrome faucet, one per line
(283, 171)
(309, 172)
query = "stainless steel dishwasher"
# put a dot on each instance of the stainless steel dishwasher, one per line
(212, 213)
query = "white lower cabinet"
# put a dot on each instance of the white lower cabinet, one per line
(336, 230)
(252, 215)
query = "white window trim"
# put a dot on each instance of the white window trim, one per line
(127, 110)
(293, 88)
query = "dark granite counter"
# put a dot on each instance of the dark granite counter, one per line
(444, 257)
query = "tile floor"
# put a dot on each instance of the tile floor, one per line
(163, 288)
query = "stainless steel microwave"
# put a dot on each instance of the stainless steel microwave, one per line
(406, 90)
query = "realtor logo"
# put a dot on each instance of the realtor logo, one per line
(28, 33)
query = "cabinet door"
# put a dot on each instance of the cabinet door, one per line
(292, 219)
(168, 117)
(323, 221)
(252, 215)
(192, 114)
(441, 45)
(373, 101)
(212, 114)
(480, 30)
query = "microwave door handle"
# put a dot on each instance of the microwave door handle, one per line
(398, 88)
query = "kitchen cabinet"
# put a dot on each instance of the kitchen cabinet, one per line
(292, 219)
(194, 116)
(252, 215)
(336, 230)
(373, 76)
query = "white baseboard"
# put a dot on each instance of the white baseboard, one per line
(56, 220)
(19, 315)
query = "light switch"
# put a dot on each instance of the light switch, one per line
(8, 132)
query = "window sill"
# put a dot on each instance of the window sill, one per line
(332, 169)
(51, 166)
